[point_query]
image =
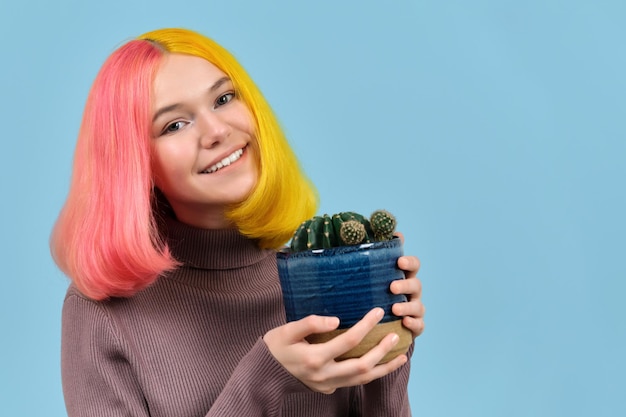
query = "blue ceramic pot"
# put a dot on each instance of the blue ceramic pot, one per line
(346, 281)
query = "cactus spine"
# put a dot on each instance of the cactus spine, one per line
(345, 228)
(383, 224)
(352, 232)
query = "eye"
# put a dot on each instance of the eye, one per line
(173, 127)
(224, 98)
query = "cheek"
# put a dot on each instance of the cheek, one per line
(165, 166)
(245, 120)
(157, 171)
(256, 157)
(247, 125)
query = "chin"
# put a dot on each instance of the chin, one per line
(241, 191)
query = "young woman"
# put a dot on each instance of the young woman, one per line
(183, 187)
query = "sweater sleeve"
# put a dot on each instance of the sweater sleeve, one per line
(386, 396)
(262, 393)
(258, 393)
(106, 374)
(97, 378)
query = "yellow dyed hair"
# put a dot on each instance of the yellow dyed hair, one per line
(283, 197)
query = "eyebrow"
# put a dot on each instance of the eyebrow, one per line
(216, 85)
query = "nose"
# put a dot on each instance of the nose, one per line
(213, 129)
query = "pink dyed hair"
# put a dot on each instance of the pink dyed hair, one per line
(107, 237)
(107, 242)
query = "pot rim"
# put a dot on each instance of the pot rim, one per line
(286, 252)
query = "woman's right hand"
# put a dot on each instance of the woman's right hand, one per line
(314, 364)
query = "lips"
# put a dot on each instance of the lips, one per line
(224, 162)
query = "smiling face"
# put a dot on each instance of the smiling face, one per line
(204, 150)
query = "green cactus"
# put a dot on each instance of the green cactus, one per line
(352, 232)
(383, 224)
(345, 228)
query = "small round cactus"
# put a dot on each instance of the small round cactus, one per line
(383, 224)
(352, 232)
(345, 228)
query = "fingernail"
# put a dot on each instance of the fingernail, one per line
(395, 338)
(332, 321)
(380, 313)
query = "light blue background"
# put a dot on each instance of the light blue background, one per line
(494, 129)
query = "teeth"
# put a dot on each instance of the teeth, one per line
(224, 162)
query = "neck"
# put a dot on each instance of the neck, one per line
(205, 219)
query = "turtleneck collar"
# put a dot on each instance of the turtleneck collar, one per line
(212, 248)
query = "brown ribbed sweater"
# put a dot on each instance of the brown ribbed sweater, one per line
(191, 344)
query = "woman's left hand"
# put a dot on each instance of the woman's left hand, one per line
(412, 311)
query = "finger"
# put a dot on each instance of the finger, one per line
(399, 235)
(296, 331)
(351, 338)
(365, 369)
(414, 308)
(410, 286)
(384, 369)
(374, 355)
(409, 264)
(415, 325)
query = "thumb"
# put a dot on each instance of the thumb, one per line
(298, 330)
